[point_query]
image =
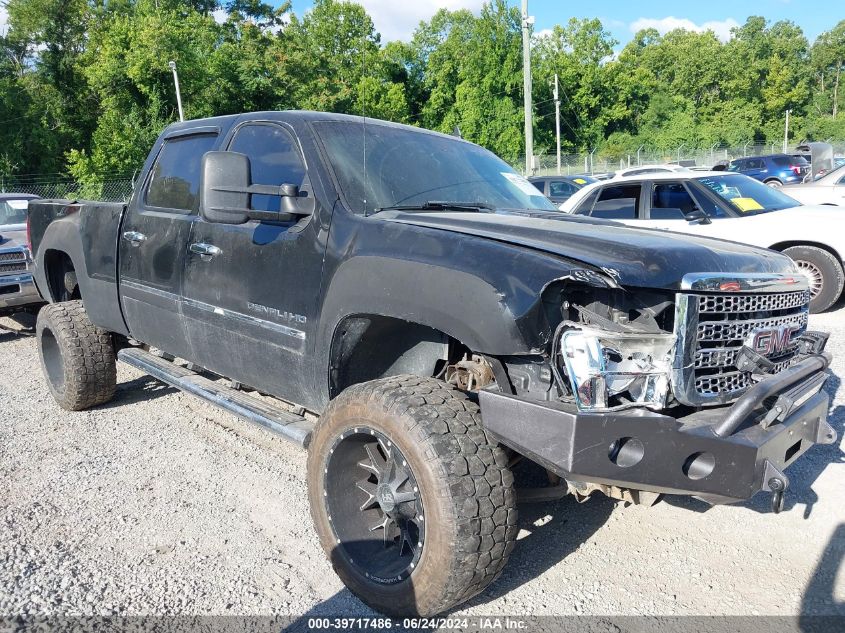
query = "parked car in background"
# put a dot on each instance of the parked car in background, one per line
(733, 207)
(828, 189)
(17, 290)
(650, 169)
(558, 189)
(774, 170)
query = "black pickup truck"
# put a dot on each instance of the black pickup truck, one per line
(440, 321)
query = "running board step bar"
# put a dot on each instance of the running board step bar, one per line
(290, 426)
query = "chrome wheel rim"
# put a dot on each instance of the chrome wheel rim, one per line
(374, 506)
(814, 277)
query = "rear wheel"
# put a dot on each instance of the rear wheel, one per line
(77, 357)
(775, 183)
(824, 273)
(413, 503)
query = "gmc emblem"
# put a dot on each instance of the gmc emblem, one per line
(772, 341)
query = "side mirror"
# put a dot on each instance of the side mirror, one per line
(225, 191)
(224, 179)
(697, 216)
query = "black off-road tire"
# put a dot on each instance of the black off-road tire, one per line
(77, 357)
(817, 262)
(465, 486)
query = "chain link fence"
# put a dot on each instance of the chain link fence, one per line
(598, 162)
(118, 190)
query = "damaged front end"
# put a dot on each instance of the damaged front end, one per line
(711, 391)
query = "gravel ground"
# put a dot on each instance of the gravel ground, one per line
(158, 504)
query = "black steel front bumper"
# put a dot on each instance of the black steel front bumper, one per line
(720, 455)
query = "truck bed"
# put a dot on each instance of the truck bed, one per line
(86, 233)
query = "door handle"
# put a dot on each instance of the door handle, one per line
(134, 237)
(205, 251)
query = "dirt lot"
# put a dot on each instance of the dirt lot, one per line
(160, 504)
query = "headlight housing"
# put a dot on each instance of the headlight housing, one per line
(609, 370)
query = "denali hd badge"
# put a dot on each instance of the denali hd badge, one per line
(280, 315)
(772, 341)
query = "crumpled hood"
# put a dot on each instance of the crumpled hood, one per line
(645, 258)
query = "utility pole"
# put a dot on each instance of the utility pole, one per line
(526, 74)
(557, 124)
(786, 132)
(172, 65)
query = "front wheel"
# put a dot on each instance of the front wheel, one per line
(413, 503)
(824, 273)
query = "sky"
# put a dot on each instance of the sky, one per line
(396, 19)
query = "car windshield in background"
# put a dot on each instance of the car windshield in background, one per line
(13, 212)
(746, 195)
(380, 166)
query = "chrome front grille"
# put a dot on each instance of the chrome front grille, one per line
(712, 330)
(12, 262)
(728, 331)
(752, 303)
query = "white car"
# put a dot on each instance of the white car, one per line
(733, 207)
(829, 189)
(642, 170)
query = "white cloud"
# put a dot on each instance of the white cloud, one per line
(220, 16)
(4, 20)
(397, 19)
(722, 28)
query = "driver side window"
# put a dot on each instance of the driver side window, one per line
(670, 201)
(273, 158)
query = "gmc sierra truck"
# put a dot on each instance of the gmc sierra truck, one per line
(17, 290)
(420, 318)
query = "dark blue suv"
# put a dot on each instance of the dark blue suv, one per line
(775, 170)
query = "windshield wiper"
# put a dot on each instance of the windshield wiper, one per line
(441, 205)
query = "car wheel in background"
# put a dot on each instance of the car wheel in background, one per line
(823, 271)
(774, 183)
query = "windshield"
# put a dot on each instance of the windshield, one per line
(380, 166)
(746, 195)
(13, 212)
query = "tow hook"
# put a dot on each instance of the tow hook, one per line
(777, 486)
(775, 482)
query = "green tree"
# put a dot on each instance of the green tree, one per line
(577, 53)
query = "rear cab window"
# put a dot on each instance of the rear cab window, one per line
(174, 180)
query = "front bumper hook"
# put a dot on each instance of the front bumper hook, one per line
(777, 483)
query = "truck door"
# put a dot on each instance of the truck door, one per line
(251, 289)
(154, 239)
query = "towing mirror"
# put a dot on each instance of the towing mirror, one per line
(225, 191)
